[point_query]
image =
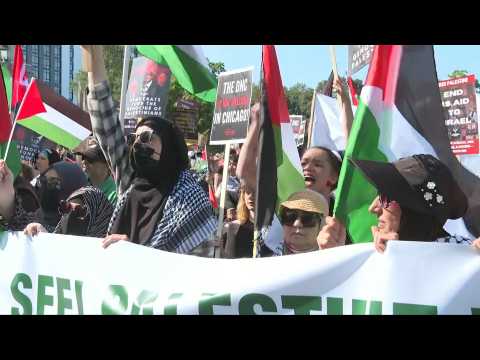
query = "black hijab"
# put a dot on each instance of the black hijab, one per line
(72, 178)
(144, 206)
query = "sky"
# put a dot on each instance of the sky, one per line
(310, 64)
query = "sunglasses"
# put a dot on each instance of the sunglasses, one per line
(144, 137)
(308, 219)
(67, 207)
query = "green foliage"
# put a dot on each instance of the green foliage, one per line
(458, 73)
(461, 73)
(79, 83)
(299, 99)
(177, 93)
(357, 84)
(113, 55)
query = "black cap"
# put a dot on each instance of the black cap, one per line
(421, 183)
(91, 150)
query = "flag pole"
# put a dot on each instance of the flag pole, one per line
(333, 58)
(15, 120)
(221, 208)
(126, 63)
(310, 121)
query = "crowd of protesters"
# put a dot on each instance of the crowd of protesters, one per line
(148, 188)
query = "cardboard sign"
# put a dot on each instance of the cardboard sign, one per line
(232, 107)
(298, 126)
(358, 57)
(460, 114)
(147, 93)
(187, 121)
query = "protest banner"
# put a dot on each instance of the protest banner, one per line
(232, 107)
(460, 110)
(298, 126)
(186, 118)
(49, 274)
(147, 93)
(358, 57)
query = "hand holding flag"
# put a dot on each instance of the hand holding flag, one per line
(31, 105)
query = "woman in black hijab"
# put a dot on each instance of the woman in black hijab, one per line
(160, 204)
(86, 212)
(56, 184)
(163, 206)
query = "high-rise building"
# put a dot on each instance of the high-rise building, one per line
(55, 65)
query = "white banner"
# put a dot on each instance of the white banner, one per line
(55, 274)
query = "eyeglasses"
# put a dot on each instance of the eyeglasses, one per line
(145, 137)
(308, 219)
(67, 207)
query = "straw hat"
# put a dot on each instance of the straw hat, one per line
(307, 200)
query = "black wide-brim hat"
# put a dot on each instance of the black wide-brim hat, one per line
(389, 182)
(420, 182)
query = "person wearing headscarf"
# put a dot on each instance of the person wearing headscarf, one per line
(45, 158)
(86, 212)
(160, 204)
(416, 197)
(56, 184)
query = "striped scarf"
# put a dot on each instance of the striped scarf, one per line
(99, 208)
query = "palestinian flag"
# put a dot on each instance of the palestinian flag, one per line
(32, 103)
(13, 158)
(20, 79)
(399, 114)
(56, 124)
(189, 66)
(353, 93)
(279, 173)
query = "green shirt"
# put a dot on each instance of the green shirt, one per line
(109, 189)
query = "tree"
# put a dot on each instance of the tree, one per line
(78, 85)
(299, 99)
(255, 93)
(357, 84)
(462, 73)
(458, 73)
(113, 55)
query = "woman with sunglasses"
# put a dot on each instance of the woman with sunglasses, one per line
(55, 185)
(416, 197)
(86, 212)
(302, 217)
(160, 204)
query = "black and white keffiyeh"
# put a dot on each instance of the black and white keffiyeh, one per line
(99, 209)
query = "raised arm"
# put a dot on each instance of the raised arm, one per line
(346, 107)
(247, 160)
(105, 123)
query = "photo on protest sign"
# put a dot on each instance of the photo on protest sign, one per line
(232, 107)
(185, 117)
(358, 57)
(29, 143)
(298, 126)
(147, 93)
(460, 114)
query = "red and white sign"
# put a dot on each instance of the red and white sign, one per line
(460, 109)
